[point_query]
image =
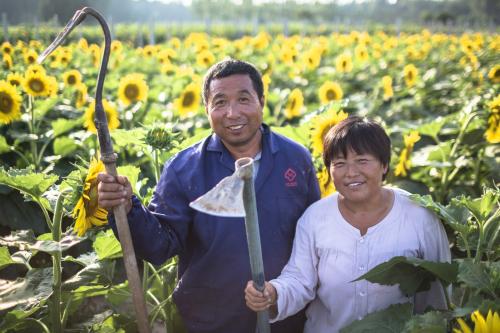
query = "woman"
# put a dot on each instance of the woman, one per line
(343, 236)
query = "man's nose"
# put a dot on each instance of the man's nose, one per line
(232, 111)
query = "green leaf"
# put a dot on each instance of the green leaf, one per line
(455, 214)
(433, 128)
(18, 214)
(132, 173)
(119, 294)
(26, 292)
(298, 134)
(63, 125)
(13, 320)
(392, 319)
(412, 274)
(198, 136)
(92, 273)
(4, 146)
(27, 181)
(64, 146)
(430, 322)
(125, 138)
(476, 276)
(5, 259)
(433, 155)
(107, 246)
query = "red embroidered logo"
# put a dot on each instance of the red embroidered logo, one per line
(290, 176)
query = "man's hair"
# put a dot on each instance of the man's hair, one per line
(230, 67)
(364, 136)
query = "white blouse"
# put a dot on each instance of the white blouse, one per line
(328, 253)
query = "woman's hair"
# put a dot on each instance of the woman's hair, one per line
(362, 135)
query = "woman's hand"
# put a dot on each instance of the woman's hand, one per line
(259, 301)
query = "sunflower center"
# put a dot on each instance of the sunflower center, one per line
(344, 64)
(6, 103)
(496, 74)
(132, 92)
(71, 79)
(14, 82)
(36, 85)
(292, 104)
(31, 59)
(331, 95)
(188, 99)
(410, 75)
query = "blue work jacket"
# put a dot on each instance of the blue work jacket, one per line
(213, 255)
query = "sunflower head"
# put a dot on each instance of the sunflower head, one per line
(205, 59)
(294, 104)
(80, 95)
(189, 101)
(410, 74)
(10, 103)
(330, 91)
(72, 77)
(87, 212)
(111, 115)
(321, 124)
(15, 79)
(132, 89)
(343, 63)
(6, 48)
(7, 61)
(361, 53)
(490, 324)
(494, 74)
(387, 87)
(38, 84)
(30, 57)
(326, 185)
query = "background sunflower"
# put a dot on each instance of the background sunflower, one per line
(132, 89)
(10, 103)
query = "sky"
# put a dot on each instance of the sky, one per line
(188, 2)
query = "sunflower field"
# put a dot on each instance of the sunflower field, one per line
(436, 94)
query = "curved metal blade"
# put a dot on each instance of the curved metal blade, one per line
(225, 199)
(75, 20)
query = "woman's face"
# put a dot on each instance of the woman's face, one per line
(357, 177)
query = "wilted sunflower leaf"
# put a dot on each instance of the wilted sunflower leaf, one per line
(390, 320)
(430, 322)
(107, 246)
(26, 292)
(412, 274)
(98, 271)
(27, 181)
(455, 215)
(25, 240)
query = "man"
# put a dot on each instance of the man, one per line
(213, 255)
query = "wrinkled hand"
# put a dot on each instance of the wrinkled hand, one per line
(259, 301)
(113, 191)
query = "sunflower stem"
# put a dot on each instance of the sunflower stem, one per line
(57, 268)
(156, 164)
(31, 126)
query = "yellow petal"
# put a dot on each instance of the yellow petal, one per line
(463, 326)
(480, 323)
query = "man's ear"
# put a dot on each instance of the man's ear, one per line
(262, 100)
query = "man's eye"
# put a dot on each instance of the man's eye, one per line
(244, 99)
(219, 102)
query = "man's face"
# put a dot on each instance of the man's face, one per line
(235, 111)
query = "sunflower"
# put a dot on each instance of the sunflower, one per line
(80, 95)
(7, 61)
(490, 324)
(313, 58)
(15, 79)
(294, 104)
(168, 68)
(166, 56)
(111, 115)
(494, 74)
(266, 81)
(30, 57)
(132, 89)
(10, 103)
(387, 86)
(330, 91)
(320, 125)
(404, 163)
(87, 213)
(72, 78)
(37, 84)
(205, 59)
(149, 51)
(35, 69)
(343, 63)
(361, 53)
(189, 100)
(6, 48)
(83, 44)
(116, 46)
(492, 133)
(410, 73)
(326, 185)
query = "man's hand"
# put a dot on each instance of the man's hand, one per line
(259, 301)
(113, 191)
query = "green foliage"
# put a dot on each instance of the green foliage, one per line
(392, 319)
(34, 184)
(412, 274)
(430, 322)
(107, 246)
